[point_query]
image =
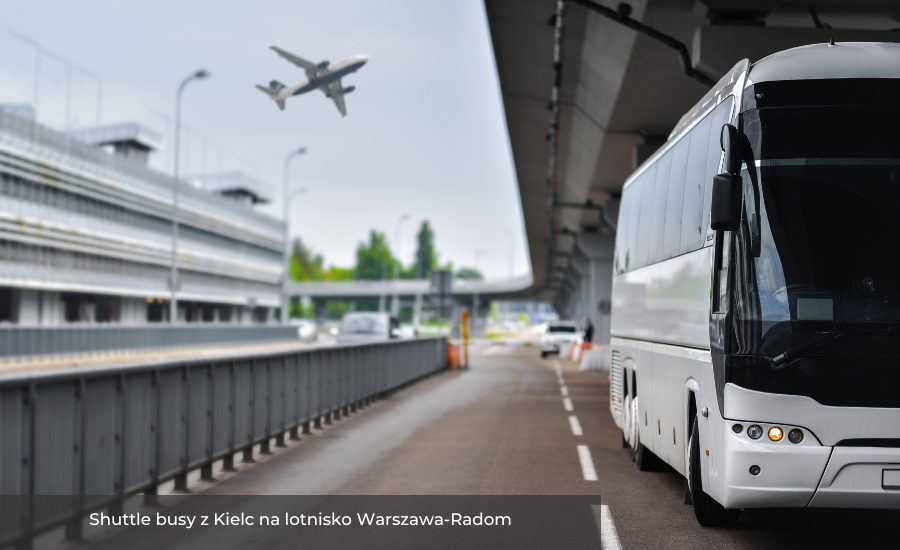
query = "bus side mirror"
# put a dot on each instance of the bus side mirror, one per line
(731, 146)
(724, 213)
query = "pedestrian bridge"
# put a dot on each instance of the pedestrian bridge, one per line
(461, 289)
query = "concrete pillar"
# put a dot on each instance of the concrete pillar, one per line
(52, 311)
(417, 311)
(599, 249)
(29, 312)
(381, 299)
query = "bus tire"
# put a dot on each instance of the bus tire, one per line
(709, 513)
(543, 355)
(645, 459)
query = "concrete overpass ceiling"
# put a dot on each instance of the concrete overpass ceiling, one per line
(622, 92)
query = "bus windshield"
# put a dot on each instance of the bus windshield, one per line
(815, 261)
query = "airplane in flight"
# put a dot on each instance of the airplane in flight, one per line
(322, 76)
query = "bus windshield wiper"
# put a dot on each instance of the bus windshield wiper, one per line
(790, 354)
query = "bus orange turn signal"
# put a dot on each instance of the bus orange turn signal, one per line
(776, 433)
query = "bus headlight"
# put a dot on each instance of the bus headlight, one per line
(795, 436)
(754, 431)
(776, 433)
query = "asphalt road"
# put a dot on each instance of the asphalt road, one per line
(502, 428)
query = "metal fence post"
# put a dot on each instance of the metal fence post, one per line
(267, 432)
(206, 473)
(26, 510)
(150, 494)
(248, 450)
(74, 524)
(181, 477)
(228, 461)
(119, 449)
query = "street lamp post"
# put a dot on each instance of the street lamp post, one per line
(286, 198)
(173, 278)
(395, 301)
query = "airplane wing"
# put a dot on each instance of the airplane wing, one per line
(295, 59)
(336, 92)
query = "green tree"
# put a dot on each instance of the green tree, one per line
(468, 273)
(307, 266)
(339, 274)
(426, 257)
(304, 265)
(374, 261)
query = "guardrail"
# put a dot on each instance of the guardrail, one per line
(90, 437)
(17, 342)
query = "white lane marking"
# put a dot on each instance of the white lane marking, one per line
(490, 350)
(564, 390)
(587, 463)
(609, 538)
(567, 403)
(561, 381)
(557, 366)
(575, 425)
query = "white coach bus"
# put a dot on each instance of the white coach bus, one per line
(756, 297)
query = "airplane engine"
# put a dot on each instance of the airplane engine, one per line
(324, 64)
(349, 89)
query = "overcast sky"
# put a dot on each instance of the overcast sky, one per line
(424, 134)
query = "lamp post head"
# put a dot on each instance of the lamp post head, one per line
(202, 73)
(300, 151)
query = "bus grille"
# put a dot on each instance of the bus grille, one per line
(615, 384)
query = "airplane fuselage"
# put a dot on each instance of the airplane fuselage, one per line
(325, 77)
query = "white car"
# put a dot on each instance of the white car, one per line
(307, 331)
(559, 333)
(364, 327)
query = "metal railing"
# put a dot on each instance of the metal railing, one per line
(22, 342)
(88, 438)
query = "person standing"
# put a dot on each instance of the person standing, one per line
(589, 332)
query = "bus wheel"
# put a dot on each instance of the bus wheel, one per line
(644, 458)
(709, 512)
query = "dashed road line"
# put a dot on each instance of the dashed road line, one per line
(561, 381)
(564, 390)
(609, 538)
(558, 368)
(490, 351)
(567, 403)
(587, 463)
(575, 425)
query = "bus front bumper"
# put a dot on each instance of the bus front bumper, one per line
(809, 474)
(860, 477)
(819, 471)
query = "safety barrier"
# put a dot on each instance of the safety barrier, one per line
(17, 342)
(98, 435)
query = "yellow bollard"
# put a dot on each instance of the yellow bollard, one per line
(464, 329)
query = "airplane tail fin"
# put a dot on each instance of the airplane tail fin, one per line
(272, 92)
(268, 91)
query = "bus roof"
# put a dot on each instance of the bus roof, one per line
(814, 61)
(826, 61)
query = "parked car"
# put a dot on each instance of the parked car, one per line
(307, 331)
(557, 334)
(361, 327)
